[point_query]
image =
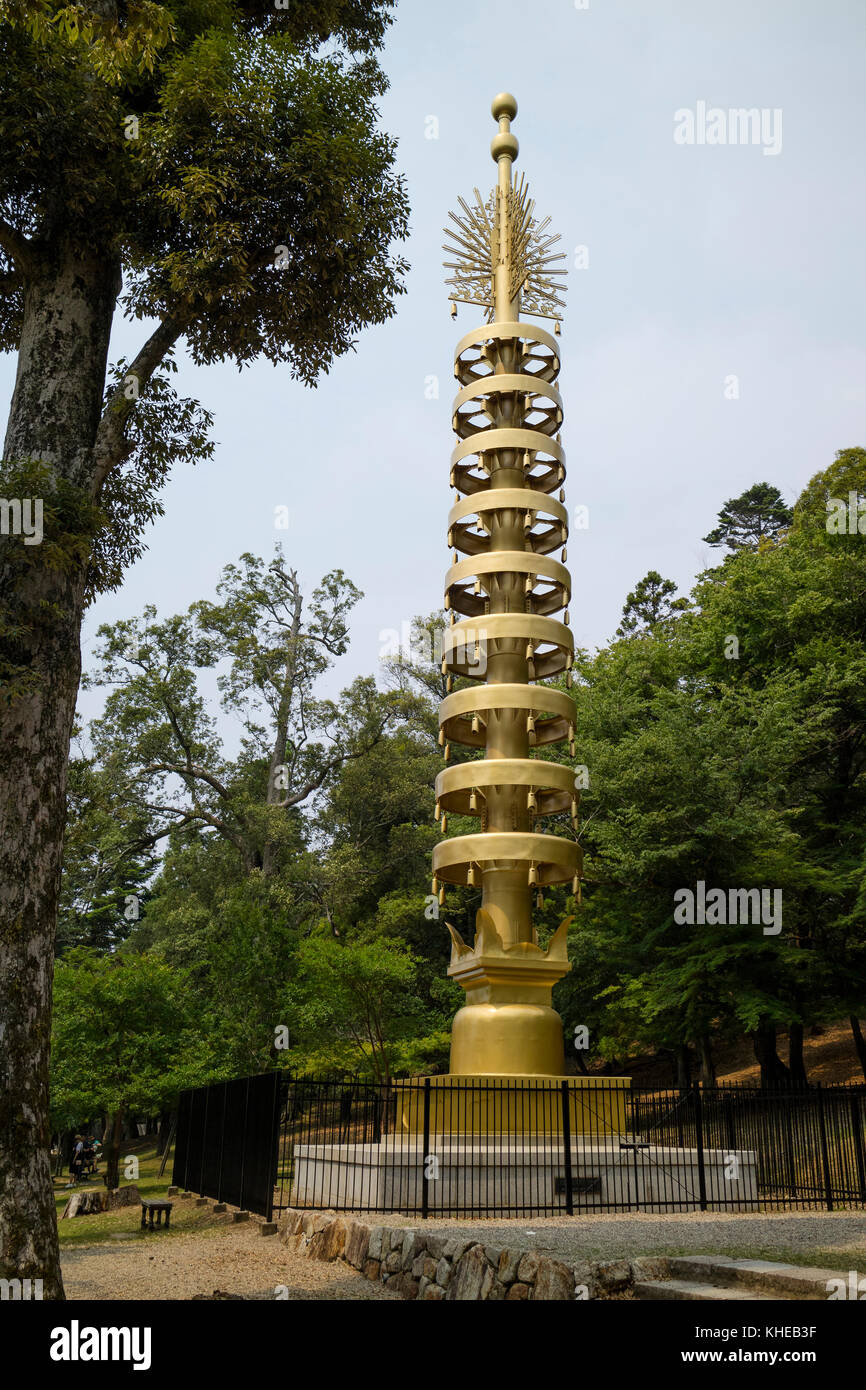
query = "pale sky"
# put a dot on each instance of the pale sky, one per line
(705, 262)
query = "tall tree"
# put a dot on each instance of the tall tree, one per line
(649, 604)
(757, 514)
(221, 158)
(160, 741)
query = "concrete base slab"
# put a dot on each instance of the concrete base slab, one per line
(463, 1174)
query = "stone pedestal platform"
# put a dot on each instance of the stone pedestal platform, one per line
(466, 1176)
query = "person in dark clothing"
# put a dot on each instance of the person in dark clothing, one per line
(77, 1161)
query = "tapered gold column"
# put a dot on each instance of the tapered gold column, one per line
(507, 469)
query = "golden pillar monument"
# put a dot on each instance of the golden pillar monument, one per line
(504, 586)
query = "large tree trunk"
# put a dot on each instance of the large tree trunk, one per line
(708, 1066)
(859, 1040)
(773, 1069)
(165, 1118)
(684, 1067)
(796, 1059)
(111, 1177)
(53, 419)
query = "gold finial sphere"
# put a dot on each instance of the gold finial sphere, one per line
(504, 105)
(504, 109)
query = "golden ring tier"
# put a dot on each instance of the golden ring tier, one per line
(465, 714)
(534, 397)
(548, 645)
(465, 581)
(545, 787)
(535, 449)
(473, 537)
(545, 859)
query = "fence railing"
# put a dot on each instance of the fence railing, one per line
(226, 1141)
(447, 1146)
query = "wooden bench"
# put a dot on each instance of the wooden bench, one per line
(149, 1207)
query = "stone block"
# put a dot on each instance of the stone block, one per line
(615, 1276)
(443, 1272)
(315, 1221)
(455, 1248)
(554, 1281)
(357, 1243)
(396, 1237)
(394, 1262)
(497, 1293)
(651, 1267)
(428, 1267)
(173, 1192)
(422, 1285)
(268, 1228)
(374, 1248)
(508, 1262)
(467, 1276)
(240, 1216)
(372, 1269)
(411, 1241)
(517, 1291)
(528, 1267)
(433, 1294)
(329, 1242)
(292, 1223)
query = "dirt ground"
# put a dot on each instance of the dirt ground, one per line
(233, 1259)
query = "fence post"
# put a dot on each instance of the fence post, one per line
(425, 1180)
(699, 1140)
(566, 1144)
(203, 1142)
(244, 1143)
(276, 1118)
(825, 1156)
(222, 1142)
(857, 1136)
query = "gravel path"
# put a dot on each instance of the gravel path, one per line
(780, 1235)
(235, 1260)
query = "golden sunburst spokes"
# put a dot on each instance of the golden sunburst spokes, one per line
(487, 235)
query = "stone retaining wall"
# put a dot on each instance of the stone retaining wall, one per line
(426, 1265)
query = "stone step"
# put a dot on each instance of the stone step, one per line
(659, 1290)
(767, 1277)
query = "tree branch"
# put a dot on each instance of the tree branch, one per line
(111, 444)
(18, 247)
(184, 770)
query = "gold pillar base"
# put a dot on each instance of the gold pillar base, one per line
(486, 1107)
(507, 1026)
(499, 1039)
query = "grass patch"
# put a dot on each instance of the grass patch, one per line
(186, 1217)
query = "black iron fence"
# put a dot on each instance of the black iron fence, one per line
(445, 1146)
